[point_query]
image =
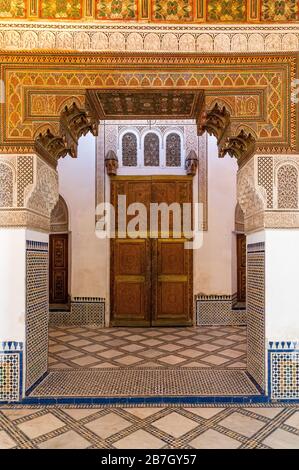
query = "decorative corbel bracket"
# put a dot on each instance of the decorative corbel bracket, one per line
(191, 163)
(50, 147)
(217, 123)
(242, 147)
(111, 163)
(74, 123)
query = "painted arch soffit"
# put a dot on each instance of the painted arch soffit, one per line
(155, 11)
(256, 90)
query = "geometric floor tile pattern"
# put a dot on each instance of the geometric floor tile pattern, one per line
(100, 348)
(67, 427)
(144, 382)
(88, 361)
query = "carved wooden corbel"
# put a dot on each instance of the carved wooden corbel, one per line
(50, 147)
(216, 122)
(74, 123)
(242, 147)
(191, 163)
(111, 163)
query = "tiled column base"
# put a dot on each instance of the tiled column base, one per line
(218, 310)
(84, 311)
(11, 370)
(283, 370)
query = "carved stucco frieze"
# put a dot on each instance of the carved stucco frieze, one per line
(45, 193)
(268, 192)
(34, 190)
(153, 38)
(249, 197)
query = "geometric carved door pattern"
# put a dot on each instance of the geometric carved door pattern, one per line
(241, 267)
(151, 278)
(58, 266)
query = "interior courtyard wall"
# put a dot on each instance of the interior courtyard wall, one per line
(215, 261)
(87, 252)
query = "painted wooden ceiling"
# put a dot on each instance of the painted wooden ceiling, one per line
(173, 11)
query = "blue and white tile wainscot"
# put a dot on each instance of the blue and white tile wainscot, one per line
(283, 364)
(11, 371)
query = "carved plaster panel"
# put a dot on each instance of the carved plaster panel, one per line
(268, 192)
(153, 38)
(30, 191)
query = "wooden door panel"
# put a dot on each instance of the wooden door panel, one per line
(58, 269)
(151, 280)
(172, 300)
(130, 301)
(130, 282)
(135, 191)
(130, 258)
(172, 283)
(172, 258)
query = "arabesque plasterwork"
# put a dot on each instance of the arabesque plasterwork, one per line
(148, 37)
(153, 11)
(35, 190)
(257, 180)
(67, 76)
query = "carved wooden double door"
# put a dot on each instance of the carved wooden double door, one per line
(151, 277)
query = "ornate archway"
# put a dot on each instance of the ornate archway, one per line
(46, 83)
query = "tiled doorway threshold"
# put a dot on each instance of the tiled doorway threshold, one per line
(145, 386)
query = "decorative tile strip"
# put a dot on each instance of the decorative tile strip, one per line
(84, 311)
(283, 370)
(218, 310)
(11, 370)
(36, 246)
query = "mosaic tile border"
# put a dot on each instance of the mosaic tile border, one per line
(37, 310)
(283, 370)
(36, 246)
(123, 383)
(218, 310)
(11, 371)
(256, 345)
(84, 311)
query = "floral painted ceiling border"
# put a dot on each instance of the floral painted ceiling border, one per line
(176, 11)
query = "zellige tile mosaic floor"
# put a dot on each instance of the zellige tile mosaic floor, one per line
(88, 361)
(93, 347)
(149, 428)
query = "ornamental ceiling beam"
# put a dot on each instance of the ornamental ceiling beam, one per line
(76, 122)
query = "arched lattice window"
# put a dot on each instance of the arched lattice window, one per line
(287, 182)
(151, 150)
(129, 149)
(173, 150)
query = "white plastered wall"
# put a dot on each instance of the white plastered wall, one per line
(13, 281)
(215, 261)
(88, 253)
(282, 275)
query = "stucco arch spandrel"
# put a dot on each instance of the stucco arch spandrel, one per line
(44, 193)
(250, 196)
